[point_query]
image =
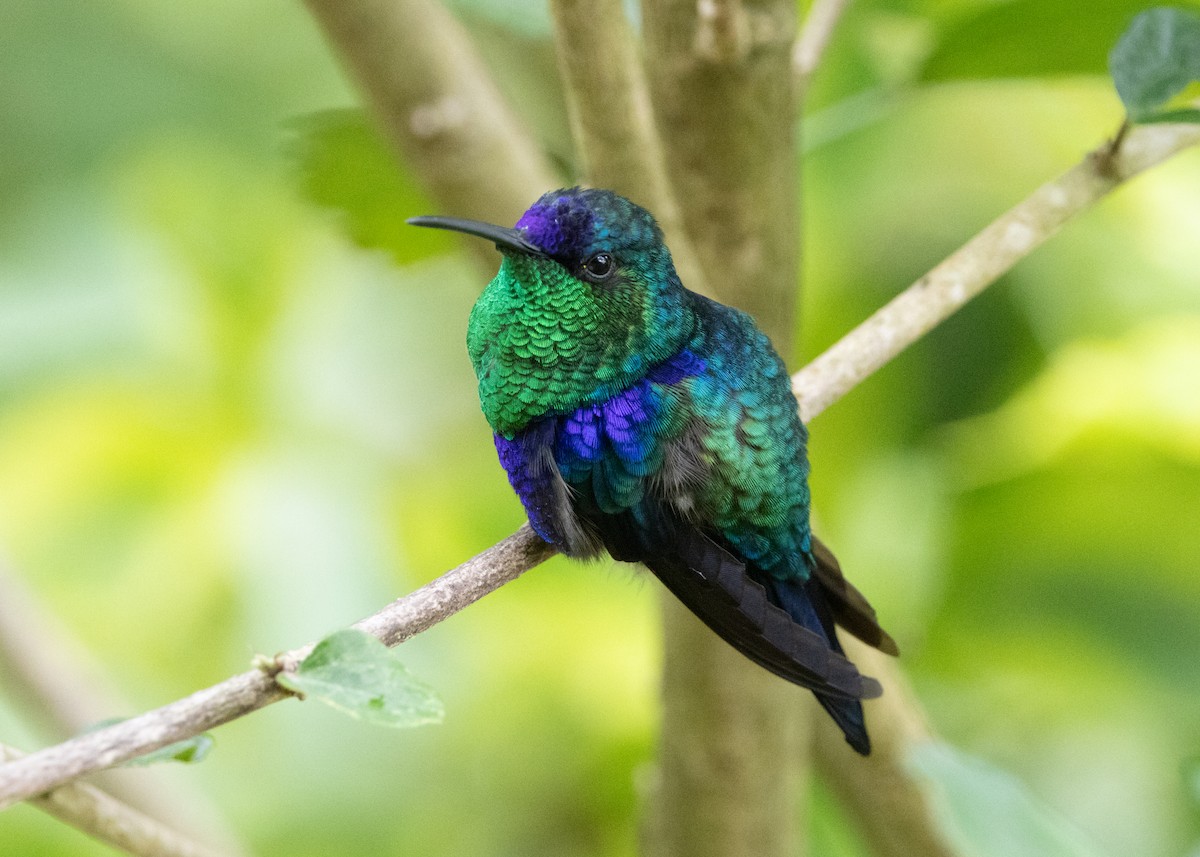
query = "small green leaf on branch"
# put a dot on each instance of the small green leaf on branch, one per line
(358, 675)
(189, 750)
(1156, 66)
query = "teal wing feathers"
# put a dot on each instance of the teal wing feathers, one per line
(754, 447)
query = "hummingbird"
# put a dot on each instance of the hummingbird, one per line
(637, 417)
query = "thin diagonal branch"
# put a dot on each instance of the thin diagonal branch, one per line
(979, 263)
(815, 35)
(819, 386)
(103, 817)
(235, 697)
(888, 804)
(41, 668)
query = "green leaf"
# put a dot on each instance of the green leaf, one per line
(355, 673)
(1190, 770)
(189, 750)
(987, 812)
(519, 16)
(1029, 38)
(342, 163)
(1154, 61)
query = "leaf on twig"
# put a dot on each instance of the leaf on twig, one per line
(358, 675)
(1156, 59)
(189, 750)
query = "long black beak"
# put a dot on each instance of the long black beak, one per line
(503, 237)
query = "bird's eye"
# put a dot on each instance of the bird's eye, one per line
(598, 267)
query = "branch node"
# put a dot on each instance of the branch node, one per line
(268, 665)
(1104, 159)
(723, 35)
(272, 666)
(436, 118)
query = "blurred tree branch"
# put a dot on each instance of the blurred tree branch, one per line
(612, 119)
(50, 675)
(45, 672)
(719, 75)
(731, 751)
(439, 107)
(893, 811)
(729, 748)
(103, 817)
(815, 34)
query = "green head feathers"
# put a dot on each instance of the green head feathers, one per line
(585, 301)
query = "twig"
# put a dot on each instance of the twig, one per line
(439, 106)
(815, 35)
(103, 817)
(978, 263)
(1105, 154)
(49, 768)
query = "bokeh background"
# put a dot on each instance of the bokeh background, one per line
(236, 413)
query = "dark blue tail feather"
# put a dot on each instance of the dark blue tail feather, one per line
(786, 627)
(848, 714)
(806, 604)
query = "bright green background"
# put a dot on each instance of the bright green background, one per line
(227, 429)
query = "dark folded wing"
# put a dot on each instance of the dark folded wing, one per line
(850, 609)
(715, 586)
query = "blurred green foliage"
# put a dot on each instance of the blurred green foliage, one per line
(236, 413)
(1012, 39)
(1155, 66)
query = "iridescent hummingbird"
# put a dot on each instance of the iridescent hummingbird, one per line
(636, 417)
